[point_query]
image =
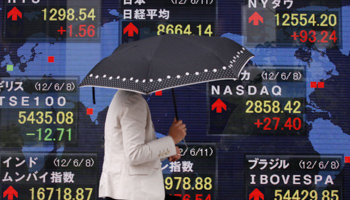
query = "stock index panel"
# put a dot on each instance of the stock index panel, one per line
(278, 132)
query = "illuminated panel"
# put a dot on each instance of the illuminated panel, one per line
(282, 177)
(51, 21)
(142, 19)
(285, 26)
(42, 176)
(263, 101)
(194, 175)
(39, 109)
(308, 27)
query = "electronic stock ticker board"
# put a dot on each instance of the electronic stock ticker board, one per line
(278, 132)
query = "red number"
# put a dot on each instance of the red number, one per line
(208, 197)
(70, 30)
(313, 36)
(297, 121)
(91, 31)
(186, 197)
(324, 39)
(199, 195)
(303, 36)
(295, 124)
(288, 123)
(333, 37)
(266, 127)
(277, 119)
(82, 28)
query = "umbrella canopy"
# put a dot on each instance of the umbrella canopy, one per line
(168, 61)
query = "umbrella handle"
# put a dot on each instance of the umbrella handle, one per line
(174, 101)
(176, 115)
(93, 96)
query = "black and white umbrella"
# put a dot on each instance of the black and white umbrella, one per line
(168, 61)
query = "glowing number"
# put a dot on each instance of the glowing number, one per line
(70, 14)
(168, 183)
(69, 117)
(161, 29)
(199, 183)
(82, 13)
(170, 29)
(295, 20)
(277, 19)
(323, 23)
(207, 183)
(49, 101)
(178, 29)
(44, 11)
(48, 116)
(275, 106)
(303, 36)
(297, 104)
(288, 107)
(333, 37)
(312, 20)
(268, 122)
(51, 192)
(296, 195)
(67, 194)
(61, 134)
(305, 193)
(61, 101)
(325, 195)
(331, 19)
(303, 19)
(90, 191)
(324, 38)
(258, 107)
(54, 11)
(62, 14)
(91, 31)
(208, 30)
(80, 194)
(91, 14)
(250, 103)
(334, 21)
(31, 117)
(48, 131)
(286, 17)
(60, 117)
(178, 182)
(41, 194)
(287, 195)
(313, 194)
(295, 120)
(186, 183)
(58, 193)
(40, 116)
(187, 30)
(312, 38)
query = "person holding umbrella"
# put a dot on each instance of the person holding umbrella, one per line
(132, 161)
(132, 168)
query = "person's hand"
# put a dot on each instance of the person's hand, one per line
(175, 157)
(177, 131)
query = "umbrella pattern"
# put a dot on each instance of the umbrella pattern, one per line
(169, 61)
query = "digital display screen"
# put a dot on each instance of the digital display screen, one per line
(280, 131)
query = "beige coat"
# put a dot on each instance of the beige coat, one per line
(132, 160)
